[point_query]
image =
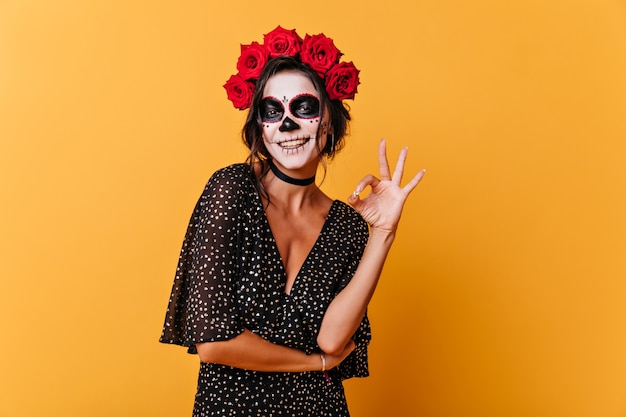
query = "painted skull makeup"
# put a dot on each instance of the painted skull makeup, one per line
(288, 125)
(302, 106)
(292, 117)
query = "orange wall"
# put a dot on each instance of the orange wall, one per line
(504, 295)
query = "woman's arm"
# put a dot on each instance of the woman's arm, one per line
(381, 210)
(345, 312)
(252, 352)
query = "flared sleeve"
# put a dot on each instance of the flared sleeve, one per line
(357, 234)
(202, 305)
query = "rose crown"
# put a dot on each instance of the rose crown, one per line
(318, 52)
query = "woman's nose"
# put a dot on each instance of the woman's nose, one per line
(288, 125)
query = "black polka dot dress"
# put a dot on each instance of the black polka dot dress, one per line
(230, 277)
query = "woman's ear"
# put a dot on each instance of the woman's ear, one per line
(327, 129)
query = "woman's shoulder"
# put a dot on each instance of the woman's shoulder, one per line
(347, 227)
(239, 171)
(349, 216)
(235, 176)
(230, 183)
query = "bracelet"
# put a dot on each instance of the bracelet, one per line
(323, 358)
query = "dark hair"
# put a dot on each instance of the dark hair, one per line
(252, 133)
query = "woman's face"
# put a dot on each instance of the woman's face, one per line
(290, 113)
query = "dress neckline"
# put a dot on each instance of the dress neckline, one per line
(278, 257)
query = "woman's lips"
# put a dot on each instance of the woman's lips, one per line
(293, 143)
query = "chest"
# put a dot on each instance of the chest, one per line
(295, 237)
(306, 262)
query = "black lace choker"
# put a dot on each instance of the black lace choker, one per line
(290, 180)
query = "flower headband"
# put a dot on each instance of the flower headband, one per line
(318, 52)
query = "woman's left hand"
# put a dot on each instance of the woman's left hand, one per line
(382, 208)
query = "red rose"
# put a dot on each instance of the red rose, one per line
(252, 60)
(239, 91)
(280, 42)
(319, 53)
(342, 81)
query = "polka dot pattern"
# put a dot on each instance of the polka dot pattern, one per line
(230, 276)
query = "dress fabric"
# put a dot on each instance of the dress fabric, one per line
(230, 277)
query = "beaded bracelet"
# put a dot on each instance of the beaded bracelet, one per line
(323, 358)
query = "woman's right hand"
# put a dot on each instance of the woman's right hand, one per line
(334, 360)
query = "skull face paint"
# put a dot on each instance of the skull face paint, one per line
(303, 106)
(290, 115)
(288, 125)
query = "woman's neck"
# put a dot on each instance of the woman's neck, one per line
(292, 197)
(301, 182)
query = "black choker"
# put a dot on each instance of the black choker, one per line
(290, 180)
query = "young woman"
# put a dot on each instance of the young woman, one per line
(274, 277)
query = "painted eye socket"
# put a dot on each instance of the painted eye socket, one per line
(271, 110)
(305, 106)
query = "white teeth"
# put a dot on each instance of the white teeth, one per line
(293, 143)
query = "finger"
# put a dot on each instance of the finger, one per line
(397, 173)
(383, 165)
(368, 180)
(355, 202)
(414, 181)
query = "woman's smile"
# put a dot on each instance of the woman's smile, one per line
(294, 143)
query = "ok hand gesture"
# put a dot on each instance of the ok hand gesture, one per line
(382, 208)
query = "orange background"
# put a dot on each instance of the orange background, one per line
(505, 292)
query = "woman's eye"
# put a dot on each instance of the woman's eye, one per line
(272, 113)
(271, 110)
(306, 107)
